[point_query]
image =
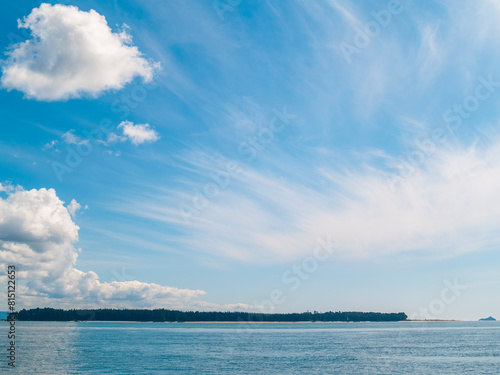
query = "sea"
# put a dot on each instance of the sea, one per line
(252, 348)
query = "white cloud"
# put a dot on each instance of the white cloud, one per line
(68, 138)
(72, 53)
(446, 208)
(115, 138)
(72, 139)
(73, 207)
(50, 145)
(38, 235)
(137, 134)
(202, 305)
(6, 187)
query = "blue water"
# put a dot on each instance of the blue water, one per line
(272, 348)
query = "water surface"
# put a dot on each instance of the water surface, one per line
(270, 348)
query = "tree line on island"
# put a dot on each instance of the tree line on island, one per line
(163, 315)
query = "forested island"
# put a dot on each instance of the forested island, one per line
(163, 315)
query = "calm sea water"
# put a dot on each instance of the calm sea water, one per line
(273, 348)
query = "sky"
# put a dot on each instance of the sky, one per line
(273, 156)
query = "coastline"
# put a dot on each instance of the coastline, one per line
(251, 322)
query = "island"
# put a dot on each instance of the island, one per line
(488, 319)
(164, 315)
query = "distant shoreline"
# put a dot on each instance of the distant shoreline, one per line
(244, 322)
(165, 315)
(109, 315)
(211, 321)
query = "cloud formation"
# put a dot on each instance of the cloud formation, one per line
(72, 53)
(38, 235)
(445, 208)
(71, 138)
(73, 207)
(137, 134)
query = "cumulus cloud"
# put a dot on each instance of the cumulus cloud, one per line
(137, 134)
(72, 53)
(6, 188)
(38, 235)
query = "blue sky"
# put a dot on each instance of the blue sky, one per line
(209, 147)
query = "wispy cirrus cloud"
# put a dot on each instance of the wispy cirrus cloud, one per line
(446, 208)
